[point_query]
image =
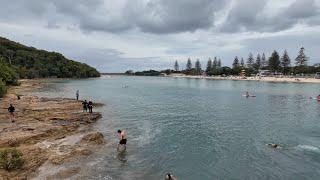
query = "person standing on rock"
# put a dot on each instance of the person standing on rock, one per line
(77, 95)
(90, 106)
(11, 110)
(85, 106)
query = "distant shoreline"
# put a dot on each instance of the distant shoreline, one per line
(234, 78)
(262, 79)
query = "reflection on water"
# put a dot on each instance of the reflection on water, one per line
(202, 129)
(122, 156)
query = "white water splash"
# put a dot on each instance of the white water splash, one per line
(309, 148)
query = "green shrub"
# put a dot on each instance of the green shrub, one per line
(3, 89)
(10, 158)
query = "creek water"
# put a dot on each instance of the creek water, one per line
(200, 129)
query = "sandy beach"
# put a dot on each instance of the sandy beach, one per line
(48, 131)
(262, 79)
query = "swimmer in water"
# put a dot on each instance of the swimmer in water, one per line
(169, 176)
(122, 139)
(273, 145)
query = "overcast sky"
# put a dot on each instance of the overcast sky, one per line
(117, 35)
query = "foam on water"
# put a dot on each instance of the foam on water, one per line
(309, 148)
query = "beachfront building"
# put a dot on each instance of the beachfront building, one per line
(264, 73)
(243, 73)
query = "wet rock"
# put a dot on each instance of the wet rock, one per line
(96, 138)
(56, 160)
(82, 152)
(65, 174)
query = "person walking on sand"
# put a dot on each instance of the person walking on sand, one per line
(90, 106)
(77, 95)
(85, 106)
(122, 139)
(11, 110)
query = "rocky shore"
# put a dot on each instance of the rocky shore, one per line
(47, 131)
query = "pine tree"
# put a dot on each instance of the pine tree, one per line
(215, 63)
(219, 63)
(209, 66)
(198, 67)
(176, 66)
(274, 61)
(250, 61)
(263, 61)
(189, 65)
(301, 59)
(285, 62)
(242, 63)
(258, 62)
(235, 63)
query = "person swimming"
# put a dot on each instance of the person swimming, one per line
(122, 139)
(273, 145)
(318, 97)
(169, 176)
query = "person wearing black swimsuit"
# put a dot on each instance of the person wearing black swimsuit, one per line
(122, 138)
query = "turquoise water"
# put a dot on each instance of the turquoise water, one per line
(202, 129)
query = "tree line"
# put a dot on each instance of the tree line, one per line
(19, 61)
(276, 64)
(29, 62)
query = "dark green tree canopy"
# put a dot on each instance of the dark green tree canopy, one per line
(235, 63)
(301, 59)
(209, 65)
(30, 62)
(274, 61)
(176, 66)
(189, 65)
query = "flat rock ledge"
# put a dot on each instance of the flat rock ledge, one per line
(46, 130)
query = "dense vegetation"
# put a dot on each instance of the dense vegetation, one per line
(10, 158)
(276, 64)
(30, 62)
(149, 73)
(8, 76)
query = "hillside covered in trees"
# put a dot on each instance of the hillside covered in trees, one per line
(29, 62)
(19, 61)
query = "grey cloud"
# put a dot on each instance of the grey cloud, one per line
(247, 15)
(158, 16)
(111, 60)
(167, 16)
(302, 9)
